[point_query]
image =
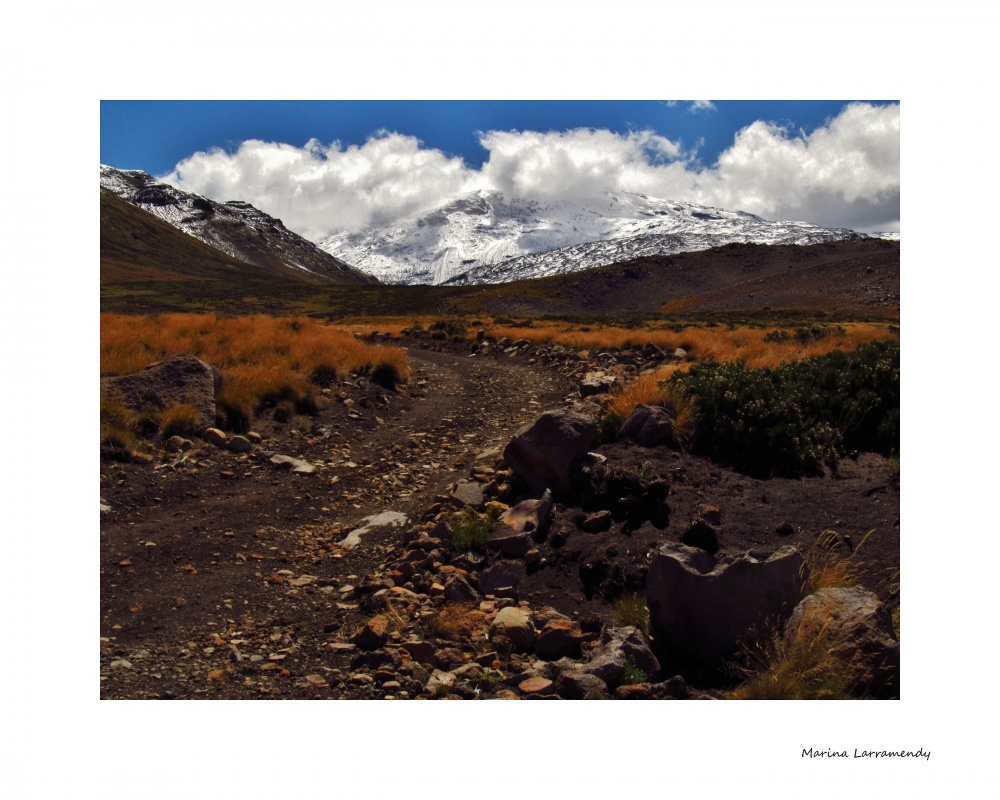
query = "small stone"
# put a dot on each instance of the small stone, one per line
(214, 436)
(239, 444)
(174, 444)
(467, 493)
(597, 522)
(785, 529)
(711, 514)
(536, 685)
(576, 685)
(373, 634)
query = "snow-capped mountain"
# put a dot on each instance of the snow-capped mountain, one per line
(236, 228)
(481, 238)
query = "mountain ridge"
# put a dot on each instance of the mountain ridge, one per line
(479, 238)
(235, 228)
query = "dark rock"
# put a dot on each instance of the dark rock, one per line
(515, 625)
(702, 535)
(459, 590)
(447, 658)
(509, 542)
(576, 685)
(701, 610)
(239, 444)
(634, 691)
(542, 453)
(373, 634)
(648, 426)
(858, 630)
(597, 522)
(501, 575)
(422, 652)
(559, 639)
(618, 647)
(785, 529)
(711, 514)
(467, 493)
(596, 384)
(176, 380)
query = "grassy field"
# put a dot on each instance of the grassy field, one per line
(264, 360)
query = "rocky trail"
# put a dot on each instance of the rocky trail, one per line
(329, 573)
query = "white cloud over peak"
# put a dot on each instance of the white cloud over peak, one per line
(843, 174)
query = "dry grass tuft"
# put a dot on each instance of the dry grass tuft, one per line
(828, 568)
(179, 420)
(457, 621)
(804, 670)
(631, 609)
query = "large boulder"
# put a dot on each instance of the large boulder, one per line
(857, 630)
(542, 453)
(701, 609)
(648, 426)
(177, 380)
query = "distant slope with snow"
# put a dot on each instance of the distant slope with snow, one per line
(481, 238)
(235, 228)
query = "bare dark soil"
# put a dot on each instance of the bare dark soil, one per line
(221, 576)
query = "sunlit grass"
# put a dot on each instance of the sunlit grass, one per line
(261, 358)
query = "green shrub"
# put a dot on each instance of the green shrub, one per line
(791, 419)
(470, 531)
(451, 328)
(633, 673)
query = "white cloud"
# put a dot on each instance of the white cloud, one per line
(317, 190)
(844, 174)
(701, 105)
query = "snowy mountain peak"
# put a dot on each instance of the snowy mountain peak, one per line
(481, 238)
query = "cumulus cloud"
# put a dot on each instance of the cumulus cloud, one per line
(317, 190)
(843, 174)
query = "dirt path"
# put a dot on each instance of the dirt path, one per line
(187, 554)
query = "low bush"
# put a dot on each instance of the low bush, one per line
(791, 419)
(450, 328)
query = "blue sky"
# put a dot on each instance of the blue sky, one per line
(154, 135)
(324, 167)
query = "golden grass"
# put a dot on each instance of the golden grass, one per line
(801, 670)
(827, 568)
(651, 389)
(259, 356)
(745, 345)
(179, 420)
